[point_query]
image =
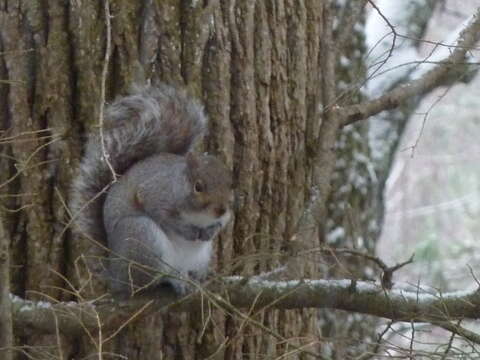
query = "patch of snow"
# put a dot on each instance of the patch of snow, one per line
(335, 235)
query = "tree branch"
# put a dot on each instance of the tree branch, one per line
(253, 294)
(433, 78)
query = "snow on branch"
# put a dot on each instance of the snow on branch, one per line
(430, 80)
(234, 293)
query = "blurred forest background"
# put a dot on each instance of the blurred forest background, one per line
(432, 195)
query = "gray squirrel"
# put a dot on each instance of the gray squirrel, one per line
(159, 218)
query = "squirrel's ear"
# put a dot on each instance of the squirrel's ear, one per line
(192, 161)
(137, 200)
(193, 164)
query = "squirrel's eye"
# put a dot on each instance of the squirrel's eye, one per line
(198, 187)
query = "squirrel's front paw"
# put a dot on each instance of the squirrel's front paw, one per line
(191, 232)
(209, 232)
(182, 287)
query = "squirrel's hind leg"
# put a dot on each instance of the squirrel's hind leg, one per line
(137, 262)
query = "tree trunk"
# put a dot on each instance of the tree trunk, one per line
(6, 330)
(256, 66)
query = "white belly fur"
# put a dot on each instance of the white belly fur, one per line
(184, 256)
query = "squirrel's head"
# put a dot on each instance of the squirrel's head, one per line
(211, 193)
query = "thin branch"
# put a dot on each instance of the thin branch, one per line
(432, 42)
(394, 40)
(456, 329)
(449, 344)
(424, 121)
(433, 78)
(473, 276)
(106, 61)
(388, 271)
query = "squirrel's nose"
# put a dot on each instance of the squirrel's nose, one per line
(220, 210)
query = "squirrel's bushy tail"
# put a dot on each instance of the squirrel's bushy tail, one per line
(152, 120)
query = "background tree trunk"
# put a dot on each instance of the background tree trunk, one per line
(6, 329)
(256, 66)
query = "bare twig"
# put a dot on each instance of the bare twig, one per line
(424, 121)
(412, 341)
(394, 40)
(387, 276)
(106, 61)
(473, 276)
(450, 342)
(388, 271)
(459, 330)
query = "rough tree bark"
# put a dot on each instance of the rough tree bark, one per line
(255, 66)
